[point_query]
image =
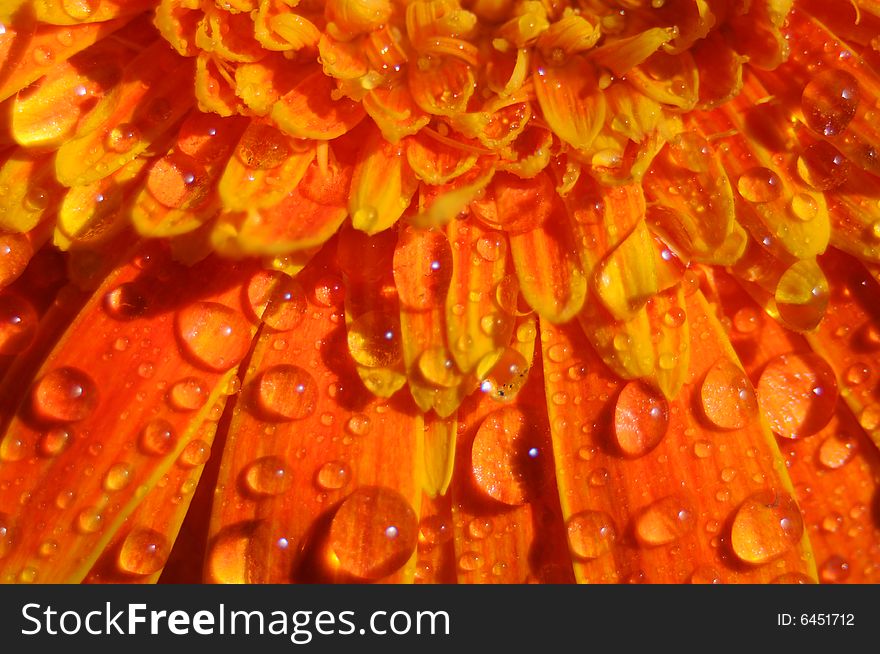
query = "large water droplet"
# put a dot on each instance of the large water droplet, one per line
(286, 392)
(373, 533)
(829, 101)
(15, 253)
(214, 335)
(143, 552)
(641, 417)
(65, 395)
(727, 396)
(267, 476)
(506, 375)
(798, 394)
(823, 167)
(374, 339)
(501, 465)
(54, 441)
(591, 534)
(766, 525)
(277, 299)
(18, 324)
(665, 521)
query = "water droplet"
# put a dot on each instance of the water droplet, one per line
(834, 570)
(706, 575)
(277, 299)
(329, 291)
(267, 476)
(117, 477)
(333, 475)
(829, 101)
(857, 373)
(358, 533)
(641, 418)
(286, 392)
(501, 466)
(492, 247)
(798, 394)
(665, 521)
(228, 558)
(746, 320)
(122, 138)
(157, 437)
(506, 376)
(143, 552)
(434, 530)
(125, 302)
(89, 520)
(759, 185)
(196, 453)
(214, 335)
(438, 367)
(793, 578)
(262, 147)
(470, 561)
(65, 395)
(479, 528)
(823, 167)
(727, 396)
(358, 424)
(836, 451)
(374, 340)
(766, 525)
(188, 394)
(591, 534)
(54, 441)
(18, 324)
(422, 267)
(869, 418)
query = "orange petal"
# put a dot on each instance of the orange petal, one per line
(311, 110)
(54, 431)
(640, 523)
(382, 185)
(341, 512)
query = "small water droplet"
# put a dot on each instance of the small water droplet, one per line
(18, 324)
(333, 475)
(641, 418)
(727, 396)
(157, 438)
(798, 394)
(188, 394)
(759, 185)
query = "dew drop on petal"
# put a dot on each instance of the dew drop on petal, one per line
(438, 367)
(590, 534)
(766, 525)
(834, 570)
(214, 335)
(836, 451)
(18, 324)
(823, 167)
(125, 302)
(143, 552)
(15, 253)
(196, 453)
(65, 395)
(829, 101)
(506, 375)
(373, 533)
(228, 556)
(188, 394)
(117, 477)
(89, 520)
(277, 299)
(797, 394)
(727, 397)
(374, 339)
(665, 521)
(501, 465)
(434, 530)
(641, 418)
(759, 185)
(333, 475)
(157, 437)
(286, 392)
(267, 476)
(55, 441)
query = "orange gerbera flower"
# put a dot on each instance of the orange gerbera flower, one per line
(438, 290)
